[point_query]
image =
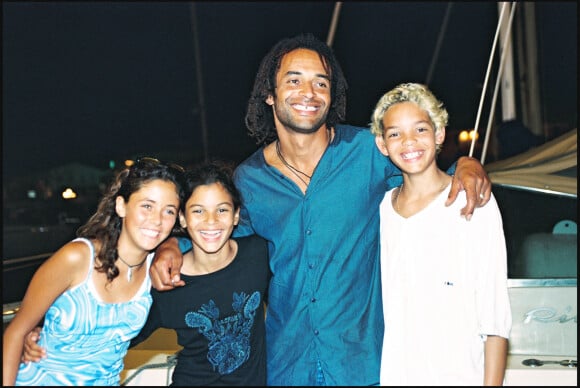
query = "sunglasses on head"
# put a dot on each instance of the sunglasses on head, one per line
(154, 161)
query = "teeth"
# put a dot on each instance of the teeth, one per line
(411, 155)
(306, 108)
(211, 232)
(150, 233)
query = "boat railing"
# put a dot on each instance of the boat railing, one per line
(26, 261)
(165, 368)
(14, 264)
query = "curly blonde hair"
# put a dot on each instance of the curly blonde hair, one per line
(410, 92)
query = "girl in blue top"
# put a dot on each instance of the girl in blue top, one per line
(94, 292)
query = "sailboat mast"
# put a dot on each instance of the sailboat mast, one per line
(333, 23)
(508, 99)
(199, 76)
(534, 120)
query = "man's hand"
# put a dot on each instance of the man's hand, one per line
(471, 177)
(166, 266)
(32, 351)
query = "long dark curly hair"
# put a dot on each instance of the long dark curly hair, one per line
(259, 117)
(105, 224)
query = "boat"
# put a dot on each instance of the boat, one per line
(537, 195)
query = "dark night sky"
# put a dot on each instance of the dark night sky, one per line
(93, 81)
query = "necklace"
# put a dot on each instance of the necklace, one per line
(401, 189)
(130, 271)
(397, 199)
(293, 169)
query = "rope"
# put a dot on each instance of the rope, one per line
(506, 47)
(489, 64)
(171, 362)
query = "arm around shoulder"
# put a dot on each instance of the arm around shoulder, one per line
(471, 177)
(166, 266)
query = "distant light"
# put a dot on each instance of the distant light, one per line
(467, 136)
(31, 194)
(129, 163)
(69, 193)
(112, 164)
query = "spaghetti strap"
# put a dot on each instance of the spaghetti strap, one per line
(92, 258)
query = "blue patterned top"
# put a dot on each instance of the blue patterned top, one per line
(86, 339)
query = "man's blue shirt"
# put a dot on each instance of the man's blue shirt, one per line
(324, 302)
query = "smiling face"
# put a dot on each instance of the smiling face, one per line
(302, 96)
(409, 137)
(149, 215)
(210, 217)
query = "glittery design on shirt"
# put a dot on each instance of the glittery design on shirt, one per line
(229, 337)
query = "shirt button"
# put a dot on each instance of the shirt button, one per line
(309, 232)
(313, 300)
(310, 265)
(315, 332)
